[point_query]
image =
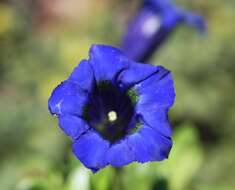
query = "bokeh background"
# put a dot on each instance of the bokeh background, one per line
(41, 41)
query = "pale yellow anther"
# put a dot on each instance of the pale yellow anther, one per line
(112, 116)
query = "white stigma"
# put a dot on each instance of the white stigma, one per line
(112, 116)
(151, 25)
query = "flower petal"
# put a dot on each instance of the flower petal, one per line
(120, 154)
(91, 149)
(136, 73)
(107, 62)
(159, 4)
(73, 126)
(148, 145)
(156, 96)
(152, 25)
(67, 98)
(195, 20)
(139, 38)
(83, 75)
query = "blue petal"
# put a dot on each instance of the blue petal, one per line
(148, 145)
(67, 98)
(142, 35)
(83, 75)
(149, 29)
(175, 14)
(107, 62)
(91, 149)
(171, 19)
(136, 73)
(120, 154)
(156, 96)
(73, 126)
(159, 5)
(195, 20)
(152, 25)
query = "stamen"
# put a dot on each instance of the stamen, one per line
(112, 116)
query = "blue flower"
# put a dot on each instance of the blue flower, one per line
(152, 25)
(115, 110)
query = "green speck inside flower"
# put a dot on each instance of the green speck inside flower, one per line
(133, 95)
(137, 128)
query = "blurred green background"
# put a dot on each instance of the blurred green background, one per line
(42, 40)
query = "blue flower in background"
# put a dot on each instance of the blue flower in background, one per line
(115, 110)
(152, 25)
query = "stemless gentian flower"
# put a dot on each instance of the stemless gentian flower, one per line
(152, 25)
(115, 110)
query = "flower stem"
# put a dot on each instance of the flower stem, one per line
(117, 183)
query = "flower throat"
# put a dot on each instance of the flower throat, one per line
(109, 111)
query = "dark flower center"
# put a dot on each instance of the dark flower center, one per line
(110, 111)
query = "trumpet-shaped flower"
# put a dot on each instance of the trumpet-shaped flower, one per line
(115, 110)
(152, 26)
